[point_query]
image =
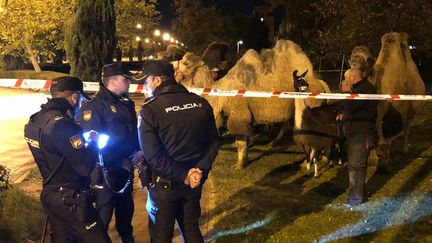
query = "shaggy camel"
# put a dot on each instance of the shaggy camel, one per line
(269, 71)
(394, 72)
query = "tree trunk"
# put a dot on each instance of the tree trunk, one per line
(32, 57)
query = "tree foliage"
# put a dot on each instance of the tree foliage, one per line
(90, 39)
(129, 13)
(330, 28)
(363, 22)
(33, 26)
(196, 25)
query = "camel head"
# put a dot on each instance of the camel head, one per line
(362, 59)
(187, 66)
(300, 83)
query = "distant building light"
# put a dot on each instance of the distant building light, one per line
(412, 47)
(166, 36)
(262, 19)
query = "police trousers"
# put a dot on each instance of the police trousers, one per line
(67, 224)
(358, 146)
(176, 202)
(122, 205)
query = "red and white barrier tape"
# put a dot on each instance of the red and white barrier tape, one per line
(139, 88)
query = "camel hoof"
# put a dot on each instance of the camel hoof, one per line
(240, 166)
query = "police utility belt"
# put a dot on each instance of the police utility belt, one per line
(76, 200)
(148, 178)
(161, 182)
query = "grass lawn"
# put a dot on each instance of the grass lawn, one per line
(273, 201)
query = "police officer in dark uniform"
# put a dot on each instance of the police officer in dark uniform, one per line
(179, 140)
(65, 162)
(359, 121)
(111, 112)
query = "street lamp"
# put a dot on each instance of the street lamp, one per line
(137, 38)
(157, 33)
(139, 26)
(147, 40)
(172, 39)
(240, 42)
(166, 36)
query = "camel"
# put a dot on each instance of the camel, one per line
(269, 71)
(394, 72)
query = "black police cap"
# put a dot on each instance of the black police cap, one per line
(156, 68)
(68, 83)
(114, 69)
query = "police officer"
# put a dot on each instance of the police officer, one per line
(179, 139)
(111, 112)
(359, 119)
(65, 163)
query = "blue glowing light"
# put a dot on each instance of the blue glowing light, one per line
(151, 208)
(244, 229)
(86, 136)
(102, 141)
(385, 213)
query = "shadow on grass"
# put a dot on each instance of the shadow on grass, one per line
(270, 201)
(399, 161)
(258, 212)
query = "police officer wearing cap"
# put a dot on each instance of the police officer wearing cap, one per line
(111, 112)
(65, 162)
(179, 140)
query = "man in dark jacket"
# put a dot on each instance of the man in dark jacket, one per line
(65, 162)
(179, 140)
(359, 120)
(111, 112)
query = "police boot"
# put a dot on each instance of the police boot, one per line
(357, 178)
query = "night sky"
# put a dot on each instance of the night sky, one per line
(226, 7)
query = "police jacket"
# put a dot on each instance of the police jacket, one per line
(116, 117)
(360, 115)
(53, 138)
(177, 132)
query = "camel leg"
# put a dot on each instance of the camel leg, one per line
(242, 152)
(383, 157)
(326, 155)
(406, 131)
(314, 160)
(307, 160)
(284, 128)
